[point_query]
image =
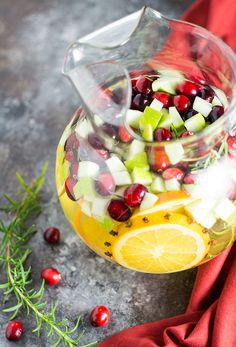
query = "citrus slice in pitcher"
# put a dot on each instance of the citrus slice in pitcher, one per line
(161, 242)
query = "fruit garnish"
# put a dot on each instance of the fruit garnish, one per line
(139, 102)
(70, 182)
(163, 97)
(14, 330)
(173, 172)
(134, 194)
(195, 123)
(124, 135)
(162, 134)
(161, 242)
(158, 160)
(188, 88)
(206, 93)
(105, 184)
(150, 117)
(52, 235)
(51, 276)
(181, 102)
(139, 160)
(100, 316)
(216, 112)
(143, 85)
(118, 210)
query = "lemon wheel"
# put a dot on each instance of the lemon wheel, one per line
(160, 243)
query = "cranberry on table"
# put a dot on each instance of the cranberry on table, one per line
(14, 330)
(173, 172)
(181, 102)
(134, 194)
(162, 134)
(51, 276)
(124, 135)
(70, 182)
(52, 235)
(139, 102)
(118, 210)
(163, 97)
(143, 85)
(105, 184)
(216, 112)
(99, 316)
(188, 88)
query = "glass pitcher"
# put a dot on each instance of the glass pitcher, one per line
(146, 168)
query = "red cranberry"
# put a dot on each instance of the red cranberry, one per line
(105, 184)
(159, 160)
(162, 134)
(72, 143)
(124, 135)
(70, 182)
(70, 156)
(181, 102)
(51, 276)
(119, 211)
(139, 102)
(186, 134)
(95, 142)
(134, 194)
(173, 172)
(188, 88)
(216, 112)
(231, 141)
(100, 316)
(190, 178)
(206, 93)
(163, 97)
(143, 85)
(74, 169)
(233, 193)
(110, 130)
(14, 330)
(52, 235)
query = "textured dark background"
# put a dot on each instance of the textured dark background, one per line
(36, 103)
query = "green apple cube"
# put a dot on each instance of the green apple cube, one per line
(148, 201)
(83, 128)
(166, 119)
(176, 118)
(139, 160)
(132, 118)
(172, 185)
(158, 185)
(195, 123)
(88, 169)
(194, 190)
(121, 178)
(147, 133)
(115, 164)
(156, 105)
(221, 96)
(175, 152)
(225, 209)
(202, 211)
(142, 176)
(86, 208)
(134, 148)
(165, 84)
(202, 106)
(150, 117)
(216, 101)
(84, 187)
(99, 206)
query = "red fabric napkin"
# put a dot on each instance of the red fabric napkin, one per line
(210, 319)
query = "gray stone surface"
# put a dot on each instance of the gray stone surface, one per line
(35, 104)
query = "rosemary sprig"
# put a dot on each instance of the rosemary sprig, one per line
(14, 252)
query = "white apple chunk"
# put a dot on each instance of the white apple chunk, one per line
(172, 184)
(121, 178)
(176, 118)
(148, 201)
(132, 118)
(115, 164)
(156, 105)
(202, 106)
(175, 152)
(158, 185)
(224, 209)
(88, 169)
(99, 206)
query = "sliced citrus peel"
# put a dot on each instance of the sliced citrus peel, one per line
(161, 242)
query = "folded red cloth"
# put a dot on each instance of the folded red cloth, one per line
(210, 319)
